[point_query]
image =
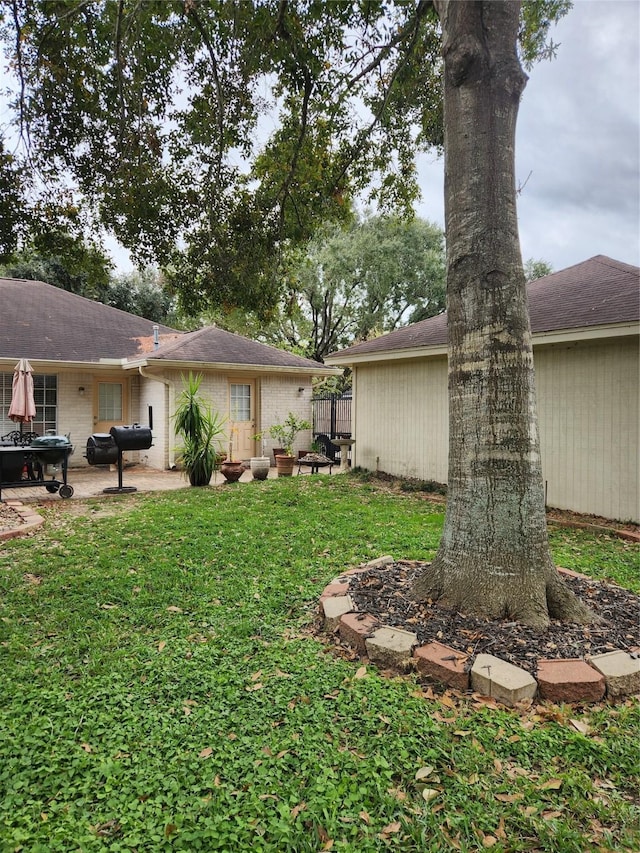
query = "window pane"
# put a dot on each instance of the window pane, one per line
(44, 420)
(240, 402)
(109, 401)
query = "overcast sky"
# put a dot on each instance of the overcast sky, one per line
(579, 140)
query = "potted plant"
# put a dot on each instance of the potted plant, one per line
(286, 434)
(201, 431)
(260, 465)
(231, 471)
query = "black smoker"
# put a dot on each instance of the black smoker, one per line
(106, 448)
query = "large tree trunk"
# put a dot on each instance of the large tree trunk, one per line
(494, 557)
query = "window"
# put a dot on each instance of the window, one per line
(240, 402)
(45, 392)
(110, 402)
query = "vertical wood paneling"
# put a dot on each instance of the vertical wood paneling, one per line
(402, 418)
(588, 411)
(588, 401)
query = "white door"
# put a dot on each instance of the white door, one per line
(242, 418)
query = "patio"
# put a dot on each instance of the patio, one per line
(91, 482)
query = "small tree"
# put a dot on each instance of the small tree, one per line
(287, 432)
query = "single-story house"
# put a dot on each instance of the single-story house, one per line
(585, 324)
(96, 367)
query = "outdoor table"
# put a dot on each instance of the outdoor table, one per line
(316, 461)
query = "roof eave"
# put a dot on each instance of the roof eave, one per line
(583, 333)
(387, 355)
(230, 367)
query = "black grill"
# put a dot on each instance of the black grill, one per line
(134, 437)
(101, 449)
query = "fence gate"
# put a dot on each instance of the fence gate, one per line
(331, 419)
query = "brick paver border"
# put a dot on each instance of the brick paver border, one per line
(578, 680)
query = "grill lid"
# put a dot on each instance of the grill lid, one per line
(45, 441)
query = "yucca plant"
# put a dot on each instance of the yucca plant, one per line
(201, 430)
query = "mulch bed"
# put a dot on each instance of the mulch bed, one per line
(9, 518)
(385, 593)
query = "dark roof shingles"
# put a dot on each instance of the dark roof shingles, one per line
(39, 321)
(217, 346)
(596, 292)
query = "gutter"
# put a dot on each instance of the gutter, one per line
(172, 400)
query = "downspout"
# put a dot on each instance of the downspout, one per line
(171, 408)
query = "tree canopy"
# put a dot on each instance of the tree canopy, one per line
(351, 283)
(209, 136)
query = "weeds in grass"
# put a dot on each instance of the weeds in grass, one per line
(160, 692)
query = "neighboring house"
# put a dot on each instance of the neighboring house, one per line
(96, 367)
(585, 323)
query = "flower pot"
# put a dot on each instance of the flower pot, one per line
(260, 467)
(199, 477)
(232, 471)
(285, 464)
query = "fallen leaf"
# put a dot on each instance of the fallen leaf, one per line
(391, 828)
(581, 727)
(551, 785)
(206, 752)
(170, 829)
(489, 841)
(174, 609)
(361, 672)
(429, 794)
(365, 816)
(161, 645)
(295, 811)
(509, 798)
(423, 773)
(87, 747)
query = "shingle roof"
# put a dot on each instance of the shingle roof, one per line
(596, 292)
(216, 346)
(39, 321)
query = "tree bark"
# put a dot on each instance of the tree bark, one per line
(494, 557)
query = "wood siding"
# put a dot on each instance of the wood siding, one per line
(588, 402)
(401, 418)
(588, 414)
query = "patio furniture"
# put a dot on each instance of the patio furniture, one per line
(316, 461)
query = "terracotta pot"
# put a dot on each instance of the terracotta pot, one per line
(232, 471)
(260, 467)
(285, 464)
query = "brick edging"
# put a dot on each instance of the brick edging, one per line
(29, 517)
(613, 675)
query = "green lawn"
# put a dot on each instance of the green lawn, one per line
(160, 691)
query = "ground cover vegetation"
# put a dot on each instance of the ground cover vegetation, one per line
(162, 690)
